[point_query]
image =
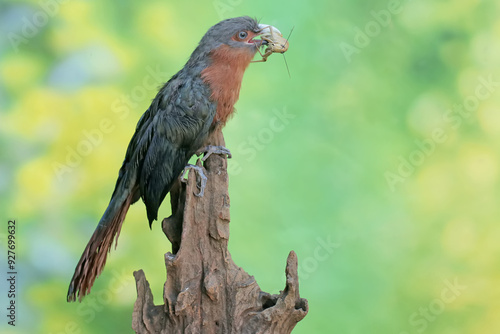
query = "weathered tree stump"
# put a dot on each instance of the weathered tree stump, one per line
(205, 291)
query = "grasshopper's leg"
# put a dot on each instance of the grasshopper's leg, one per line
(264, 57)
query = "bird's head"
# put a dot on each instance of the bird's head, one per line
(237, 36)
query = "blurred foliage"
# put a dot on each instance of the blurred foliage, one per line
(377, 251)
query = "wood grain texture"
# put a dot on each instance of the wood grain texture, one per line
(205, 291)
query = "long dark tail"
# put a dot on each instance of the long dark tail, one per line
(94, 256)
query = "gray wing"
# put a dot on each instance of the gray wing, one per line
(177, 126)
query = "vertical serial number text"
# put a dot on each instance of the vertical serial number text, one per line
(11, 272)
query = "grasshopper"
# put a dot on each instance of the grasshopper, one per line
(275, 43)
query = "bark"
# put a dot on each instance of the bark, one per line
(205, 291)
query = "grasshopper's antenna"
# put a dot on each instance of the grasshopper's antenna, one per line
(290, 34)
(286, 64)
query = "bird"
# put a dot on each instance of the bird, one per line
(186, 110)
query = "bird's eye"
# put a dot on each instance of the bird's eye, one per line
(242, 35)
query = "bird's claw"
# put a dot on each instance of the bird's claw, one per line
(211, 149)
(203, 179)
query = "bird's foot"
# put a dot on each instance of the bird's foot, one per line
(202, 178)
(210, 149)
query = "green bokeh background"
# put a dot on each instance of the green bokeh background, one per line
(326, 175)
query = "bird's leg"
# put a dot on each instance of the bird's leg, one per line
(203, 179)
(211, 149)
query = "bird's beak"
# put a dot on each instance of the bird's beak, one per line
(266, 29)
